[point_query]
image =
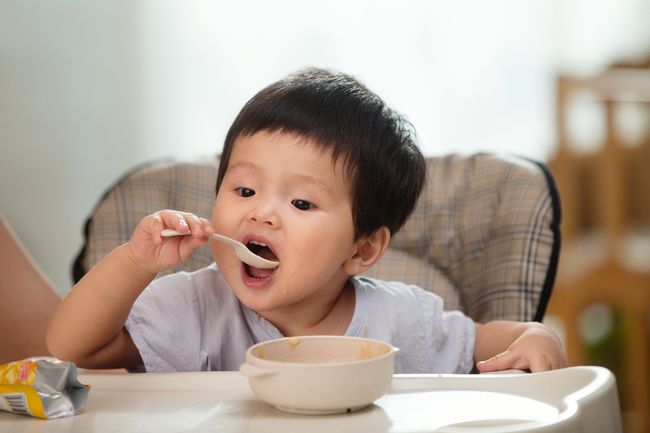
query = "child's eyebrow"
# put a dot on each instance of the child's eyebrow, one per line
(298, 178)
(243, 164)
(316, 182)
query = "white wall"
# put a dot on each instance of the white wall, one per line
(67, 120)
(88, 89)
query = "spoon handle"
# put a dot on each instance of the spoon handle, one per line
(167, 233)
(227, 240)
(240, 249)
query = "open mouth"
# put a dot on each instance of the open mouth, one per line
(262, 250)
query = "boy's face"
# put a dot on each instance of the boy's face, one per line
(285, 192)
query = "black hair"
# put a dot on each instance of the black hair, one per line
(338, 113)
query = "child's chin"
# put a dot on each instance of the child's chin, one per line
(260, 306)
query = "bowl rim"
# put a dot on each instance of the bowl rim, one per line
(261, 362)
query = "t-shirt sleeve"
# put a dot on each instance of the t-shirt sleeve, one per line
(452, 335)
(430, 339)
(164, 325)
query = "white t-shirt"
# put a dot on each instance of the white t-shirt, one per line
(194, 322)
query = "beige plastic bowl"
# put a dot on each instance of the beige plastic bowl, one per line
(319, 374)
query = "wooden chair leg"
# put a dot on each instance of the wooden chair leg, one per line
(628, 292)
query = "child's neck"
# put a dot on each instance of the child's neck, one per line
(327, 320)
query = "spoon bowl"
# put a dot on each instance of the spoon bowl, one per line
(244, 254)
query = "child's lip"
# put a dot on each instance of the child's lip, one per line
(259, 238)
(256, 283)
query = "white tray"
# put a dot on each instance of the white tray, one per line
(576, 399)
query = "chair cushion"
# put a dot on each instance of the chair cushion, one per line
(490, 225)
(484, 234)
(182, 185)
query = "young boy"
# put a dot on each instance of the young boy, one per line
(318, 174)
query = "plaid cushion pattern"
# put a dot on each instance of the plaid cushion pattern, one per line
(484, 235)
(490, 225)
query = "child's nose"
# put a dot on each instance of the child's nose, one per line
(265, 214)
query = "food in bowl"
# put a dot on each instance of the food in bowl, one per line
(319, 374)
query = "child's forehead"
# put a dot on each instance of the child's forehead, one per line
(323, 150)
(246, 145)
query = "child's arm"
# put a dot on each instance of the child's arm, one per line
(502, 345)
(88, 325)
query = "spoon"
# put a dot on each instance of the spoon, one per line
(244, 254)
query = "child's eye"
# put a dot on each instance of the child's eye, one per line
(302, 204)
(245, 192)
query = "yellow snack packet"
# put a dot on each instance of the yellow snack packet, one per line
(41, 387)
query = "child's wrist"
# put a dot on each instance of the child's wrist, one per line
(132, 266)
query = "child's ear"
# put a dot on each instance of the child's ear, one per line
(369, 251)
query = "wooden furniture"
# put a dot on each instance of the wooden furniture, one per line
(606, 202)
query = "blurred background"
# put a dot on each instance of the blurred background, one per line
(90, 89)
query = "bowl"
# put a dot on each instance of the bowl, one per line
(320, 374)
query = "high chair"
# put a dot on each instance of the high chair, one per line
(484, 235)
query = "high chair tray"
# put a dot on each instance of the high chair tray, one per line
(576, 399)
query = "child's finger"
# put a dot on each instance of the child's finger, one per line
(540, 364)
(152, 224)
(195, 225)
(207, 226)
(502, 361)
(174, 220)
(201, 229)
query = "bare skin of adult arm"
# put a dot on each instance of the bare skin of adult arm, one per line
(502, 345)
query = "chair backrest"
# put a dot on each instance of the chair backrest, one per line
(485, 233)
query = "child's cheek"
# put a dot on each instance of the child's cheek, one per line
(289, 275)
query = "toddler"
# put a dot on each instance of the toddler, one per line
(317, 173)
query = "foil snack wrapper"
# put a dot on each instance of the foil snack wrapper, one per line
(41, 387)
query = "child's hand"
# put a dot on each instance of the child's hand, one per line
(154, 253)
(537, 348)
